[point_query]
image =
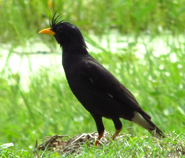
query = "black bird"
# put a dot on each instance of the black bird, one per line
(93, 85)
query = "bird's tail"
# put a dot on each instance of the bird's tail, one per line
(145, 121)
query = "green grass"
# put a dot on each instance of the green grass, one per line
(126, 147)
(47, 106)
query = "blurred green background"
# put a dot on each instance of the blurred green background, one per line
(149, 62)
(21, 20)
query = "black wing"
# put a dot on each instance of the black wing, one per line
(105, 81)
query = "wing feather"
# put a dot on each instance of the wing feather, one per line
(105, 81)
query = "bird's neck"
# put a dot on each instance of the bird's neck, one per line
(74, 49)
(71, 55)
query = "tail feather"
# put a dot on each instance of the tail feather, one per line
(146, 123)
(155, 131)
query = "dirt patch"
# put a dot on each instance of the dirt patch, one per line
(73, 144)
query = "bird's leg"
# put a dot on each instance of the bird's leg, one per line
(99, 137)
(118, 127)
(100, 127)
(116, 133)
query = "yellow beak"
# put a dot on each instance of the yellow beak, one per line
(47, 31)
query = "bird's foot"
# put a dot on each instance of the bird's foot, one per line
(99, 137)
(116, 133)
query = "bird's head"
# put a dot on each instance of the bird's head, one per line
(66, 34)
